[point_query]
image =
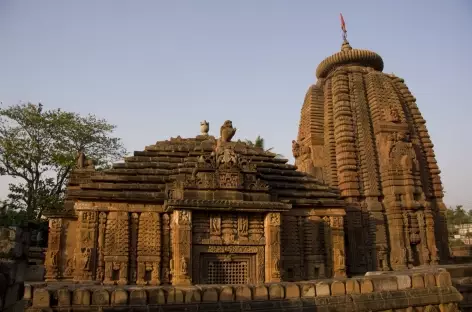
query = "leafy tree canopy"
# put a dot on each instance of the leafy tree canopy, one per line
(259, 143)
(39, 148)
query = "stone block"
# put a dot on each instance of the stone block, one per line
(322, 289)
(429, 280)
(35, 273)
(276, 291)
(417, 281)
(63, 297)
(403, 281)
(119, 297)
(227, 294)
(210, 295)
(443, 279)
(175, 295)
(193, 295)
(28, 293)
(101, 297)
(41, 298)
(308, 290)
(261, 293)
(292, 291)
(338, 288)
(138, 297)
(352, 287)
(81, 297)
(243, 293)
(157, 296)
(367, 286)
(385, 283)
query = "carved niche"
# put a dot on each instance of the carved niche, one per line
(149, 249)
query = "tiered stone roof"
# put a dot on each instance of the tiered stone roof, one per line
(150, 175)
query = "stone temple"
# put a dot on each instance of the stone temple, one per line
(211, 224)
(361, 132)
(198, 211)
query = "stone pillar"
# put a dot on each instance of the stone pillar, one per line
(54, 249)
(102, 219)
(166, 273)
(85, 252)
(133, 248)
(272, 247)
(339, 256)
(182, 247)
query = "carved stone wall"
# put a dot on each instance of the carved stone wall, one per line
(312, 244)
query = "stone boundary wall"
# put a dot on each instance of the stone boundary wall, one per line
(13, 263)
(424, 291)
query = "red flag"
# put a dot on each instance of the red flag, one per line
(343, 24)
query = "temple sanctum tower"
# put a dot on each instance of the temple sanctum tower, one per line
(361, 131)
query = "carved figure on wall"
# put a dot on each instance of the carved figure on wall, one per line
(243, 225)
(53, 258)
(226, 158)
(86, 259)
(69, 267)
(276, 272)
(204, 127)
(392, 114)
(184, 266)
(184, 216)
(261, 273)
(295, 149)
(215, 225)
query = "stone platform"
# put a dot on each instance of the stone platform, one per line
(428, 290)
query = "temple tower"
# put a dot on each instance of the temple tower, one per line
(361, 131)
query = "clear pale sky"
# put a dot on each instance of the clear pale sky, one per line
(157, 68)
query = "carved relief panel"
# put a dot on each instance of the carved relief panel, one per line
(53, 252)
(182, 243)
(116, 248)
(149, 249)
(85, 253)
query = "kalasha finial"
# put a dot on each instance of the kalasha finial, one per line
(343, 27)
(204, 127)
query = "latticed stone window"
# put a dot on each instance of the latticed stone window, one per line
(228, 272)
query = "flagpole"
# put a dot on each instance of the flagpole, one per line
(343, 27)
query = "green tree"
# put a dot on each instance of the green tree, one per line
(39, 149)
(259, 143)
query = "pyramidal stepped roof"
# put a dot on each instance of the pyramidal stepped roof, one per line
(201, 168)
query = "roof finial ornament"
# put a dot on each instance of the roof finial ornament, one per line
(346, 46)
